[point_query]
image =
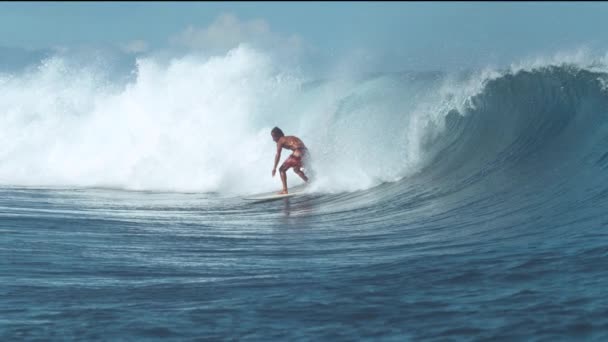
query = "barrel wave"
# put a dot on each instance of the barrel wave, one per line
(467, 205)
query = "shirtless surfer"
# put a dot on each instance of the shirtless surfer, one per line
(295, 160)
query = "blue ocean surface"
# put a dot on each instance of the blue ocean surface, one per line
(468, 207)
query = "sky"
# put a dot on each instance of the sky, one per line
(390, 35)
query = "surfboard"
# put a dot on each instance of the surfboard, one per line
(269, 196)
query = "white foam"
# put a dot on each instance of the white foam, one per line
(194, 124)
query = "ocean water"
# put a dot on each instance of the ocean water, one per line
(444, 206)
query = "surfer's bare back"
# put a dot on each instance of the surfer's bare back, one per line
(295, 160)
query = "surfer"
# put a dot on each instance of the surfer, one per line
(295, 160)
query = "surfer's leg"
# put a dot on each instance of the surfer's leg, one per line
(294, 162)
(300, 173)
(283, 172)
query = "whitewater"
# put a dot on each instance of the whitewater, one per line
(445, 205)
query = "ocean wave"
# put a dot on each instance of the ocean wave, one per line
(201, 124)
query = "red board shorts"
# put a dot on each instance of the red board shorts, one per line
(295, 161)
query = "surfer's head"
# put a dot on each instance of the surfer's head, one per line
(276, 133)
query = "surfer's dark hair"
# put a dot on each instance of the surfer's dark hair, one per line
(277, 131)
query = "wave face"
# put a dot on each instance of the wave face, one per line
(535, 128)
(443, 206)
